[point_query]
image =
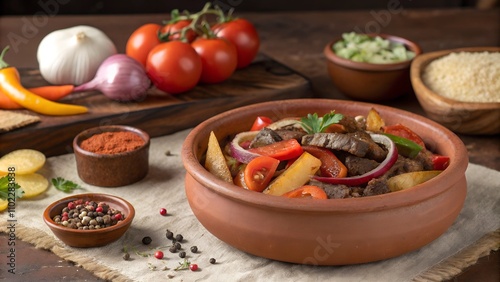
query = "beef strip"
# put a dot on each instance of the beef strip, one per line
(358, 143)
(375, 152)
(357, 166)
(350, 124)
(265, 137)
(333, 191)
(291, 134)
(376, 186)
(337, 141)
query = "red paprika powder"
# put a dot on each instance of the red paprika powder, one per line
(112, 142)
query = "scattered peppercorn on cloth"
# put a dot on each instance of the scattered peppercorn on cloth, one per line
(473, 234)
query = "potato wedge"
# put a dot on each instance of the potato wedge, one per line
(295, 176)
(374, 121)
(32, 184)
(215, 161)
(3, 204)
(25, 161)
(410, 179)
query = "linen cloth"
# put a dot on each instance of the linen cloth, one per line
(164, 187)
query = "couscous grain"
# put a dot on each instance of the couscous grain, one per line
(465, 76)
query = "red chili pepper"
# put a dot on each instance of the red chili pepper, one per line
(331, 166)
(282, 150)
(440, 162)
(403, 131)
(261, 122)
(307, 191)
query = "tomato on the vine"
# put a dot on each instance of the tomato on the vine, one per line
(243, 35)
(175, 29)
(218, 57)
(174, 67)
(141, 41)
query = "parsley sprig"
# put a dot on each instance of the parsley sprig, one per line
(64, 185)
(314, 124)
(4, 188)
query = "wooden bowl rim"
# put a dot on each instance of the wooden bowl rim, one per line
(412, 46)
(420, 62)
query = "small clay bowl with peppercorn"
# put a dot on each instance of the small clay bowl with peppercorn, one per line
(89, 220)
(112, 156)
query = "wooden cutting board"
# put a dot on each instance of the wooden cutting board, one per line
(159, 114)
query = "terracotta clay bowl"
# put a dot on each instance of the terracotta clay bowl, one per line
(111, 170)
(371, 82)
(324, 232)
(461, 117)
(89, 238)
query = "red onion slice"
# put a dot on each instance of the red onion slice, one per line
(238, 152)
(385, 165)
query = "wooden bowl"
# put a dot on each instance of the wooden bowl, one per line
(324, 232)
(111, 170)
(371, 82)
(461, 117)
(89, 238)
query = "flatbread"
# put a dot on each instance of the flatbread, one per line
(10, 120)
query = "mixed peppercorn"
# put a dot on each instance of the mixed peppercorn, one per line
(88, 215)
(174, 246)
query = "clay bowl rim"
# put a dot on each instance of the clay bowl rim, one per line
(419, 193)
(410, 45)
(87, 133)
(422, 61)
(105, 198)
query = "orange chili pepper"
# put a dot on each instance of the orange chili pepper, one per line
(50, 92)
(10, 85)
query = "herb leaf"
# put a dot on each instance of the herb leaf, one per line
(183, 265)
(65, 185)
(314, 124)
(4, 188)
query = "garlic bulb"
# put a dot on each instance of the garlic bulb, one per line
(73, 55)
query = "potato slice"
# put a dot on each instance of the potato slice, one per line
(25, 161)
(215, 161)
(298, 174)
(410, 179)
(374, 121)
(3, 204)
(32, 184)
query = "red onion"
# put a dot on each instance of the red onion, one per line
(119, 78)
(385, 165)
(238, 152)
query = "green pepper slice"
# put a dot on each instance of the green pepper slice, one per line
(406, 147)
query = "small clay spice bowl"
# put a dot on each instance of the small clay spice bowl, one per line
(81, 238)
(112, 156)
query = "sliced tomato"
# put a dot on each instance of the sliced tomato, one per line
(403, 131)
(282, 150)
(261, 122)
(331, 166)
(239, 178)
(440, 162)
(259, 172)
(307, 191)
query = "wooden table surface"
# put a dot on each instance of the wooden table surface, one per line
(295, 39)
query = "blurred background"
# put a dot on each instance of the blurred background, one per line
(61, 7)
